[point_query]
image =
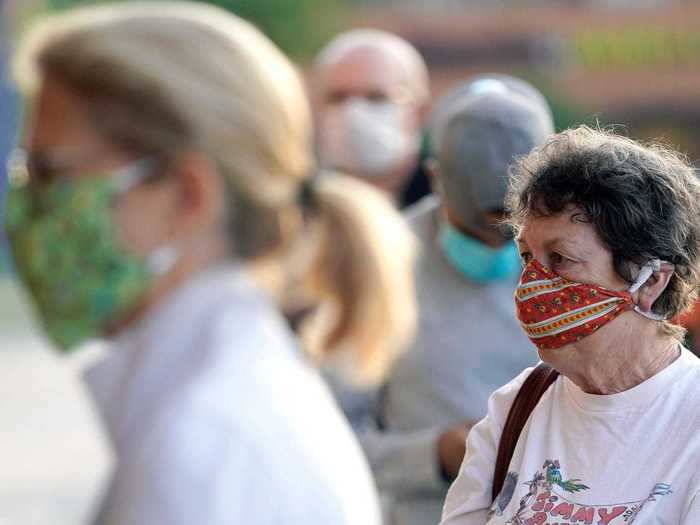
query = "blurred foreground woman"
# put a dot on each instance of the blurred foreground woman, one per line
(167, 200)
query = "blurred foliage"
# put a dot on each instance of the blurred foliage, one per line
(4, 258)
(637, 47)
(298, 27)
(566, 112)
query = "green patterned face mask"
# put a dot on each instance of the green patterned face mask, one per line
(69, 257)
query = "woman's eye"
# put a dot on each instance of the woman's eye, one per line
(41, 170)
(559, 259)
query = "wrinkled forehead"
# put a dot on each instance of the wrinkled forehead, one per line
(539, 230)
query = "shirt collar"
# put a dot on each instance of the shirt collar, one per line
(639, 396)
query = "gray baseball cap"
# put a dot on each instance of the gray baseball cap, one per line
(476, 132)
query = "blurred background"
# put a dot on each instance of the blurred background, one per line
(634, 63)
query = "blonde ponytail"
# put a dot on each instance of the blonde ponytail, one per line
(362, 272)
(192, 76)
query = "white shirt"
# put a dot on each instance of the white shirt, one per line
(467, 345)
(216, 418)
(590, 459)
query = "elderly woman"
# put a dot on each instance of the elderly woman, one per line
(167, 200)
(609, 233)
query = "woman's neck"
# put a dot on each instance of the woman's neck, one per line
(208, 252)
(616, 358)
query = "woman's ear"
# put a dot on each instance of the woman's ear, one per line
(654, 287)
(202, 193)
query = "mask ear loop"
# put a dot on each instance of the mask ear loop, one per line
(127, 177)
(164, 258)
(646, 271)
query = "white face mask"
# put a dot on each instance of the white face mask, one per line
(366, 138)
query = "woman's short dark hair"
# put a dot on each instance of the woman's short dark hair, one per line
(643, 200)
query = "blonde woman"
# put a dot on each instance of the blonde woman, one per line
(167, 200)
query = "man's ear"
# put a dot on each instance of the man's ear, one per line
(432, 169)
(654, 287)
(423, 111)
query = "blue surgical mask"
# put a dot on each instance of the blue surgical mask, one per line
(476, 261)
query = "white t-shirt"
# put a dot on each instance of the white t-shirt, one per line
(216, 418)
(590, 459)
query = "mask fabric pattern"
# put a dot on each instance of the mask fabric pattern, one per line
(69, 257)
(554, 311)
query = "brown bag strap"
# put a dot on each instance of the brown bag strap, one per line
(525, 402)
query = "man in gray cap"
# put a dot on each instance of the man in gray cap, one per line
(468, 342)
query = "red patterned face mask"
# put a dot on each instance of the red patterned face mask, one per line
(555, 312)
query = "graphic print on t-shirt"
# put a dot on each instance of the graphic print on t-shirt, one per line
(546, 502)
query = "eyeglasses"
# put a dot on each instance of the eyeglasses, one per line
(17, 169)
(42, 168)
(399, 96)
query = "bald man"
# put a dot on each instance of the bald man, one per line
(370, 93)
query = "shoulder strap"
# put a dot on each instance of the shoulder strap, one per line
(525, 402)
